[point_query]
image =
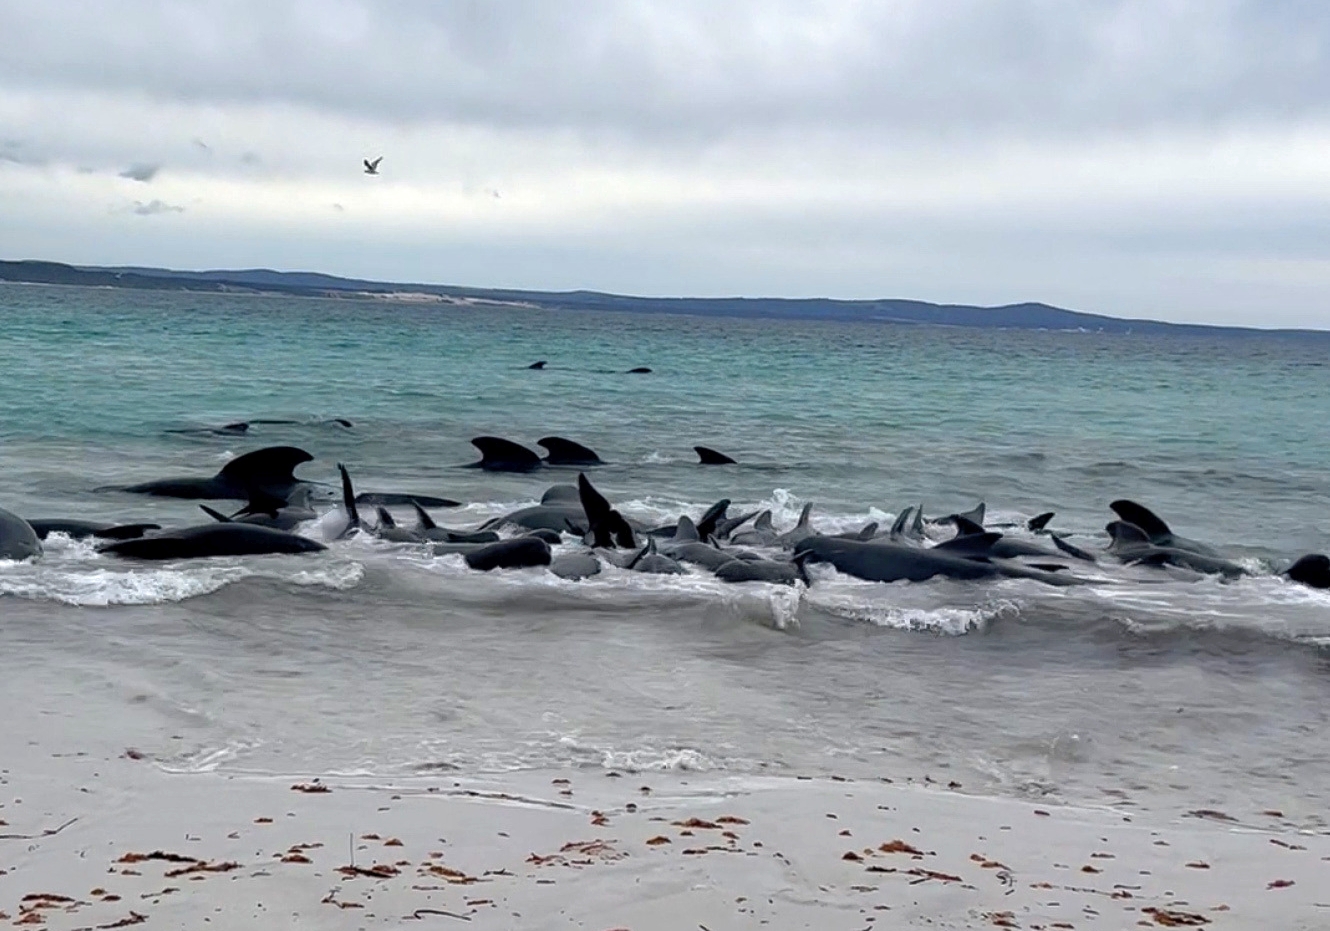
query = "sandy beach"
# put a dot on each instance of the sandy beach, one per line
(109, 842)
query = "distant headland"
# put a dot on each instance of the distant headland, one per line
(1027, 316)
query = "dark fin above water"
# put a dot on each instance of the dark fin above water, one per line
(271, 467)
(1070, 549)
(686, 531)
(1144, 518)
(214, 514)
(707, 524)
(1124, 533)
(640, 370)
(422, 517)
(1039, 521)
(500, 455)
(566, 452)
(608, 528)
(385, 519)
(643, 553)
(708, 456)
(763, 522)
(867, 532)
(405, 499)
(261, 502)
(970, 544)
(1312, 570)
(964, 526)
(349, 500)
(537, 366)
(898, 526)
(976, 515)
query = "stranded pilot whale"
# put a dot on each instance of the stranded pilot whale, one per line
(218, 539)
(82, 529)
(269, 471)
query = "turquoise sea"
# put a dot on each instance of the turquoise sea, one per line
(1147, 691)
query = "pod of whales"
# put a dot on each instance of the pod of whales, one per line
(590, 532)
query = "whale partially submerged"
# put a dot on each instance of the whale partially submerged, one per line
(18, 541)
(217, 539)
(269, 471)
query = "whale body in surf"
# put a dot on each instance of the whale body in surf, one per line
(18, 540)
(217, 539)
(82, 529)
(268, 471)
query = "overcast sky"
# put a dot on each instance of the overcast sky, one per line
(1157, 158)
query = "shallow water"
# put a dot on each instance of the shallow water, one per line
(1141, 689)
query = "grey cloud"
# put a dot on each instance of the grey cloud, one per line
(154, 207)
(141, 172)
(951, 68)
(16, 152)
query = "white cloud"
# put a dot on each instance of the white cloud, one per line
(1121, 156)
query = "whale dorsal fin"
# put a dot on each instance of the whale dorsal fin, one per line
(868, 532)
(898, 525)
(260, 502)
(264, 468)
(970, 544)
(708, 456)
(567, 452)
(964, 526)
(608, 528)
(1128, 534)
(917, 526)
(686, 531)
(215, 515)
(500, 455)
(706, 526)
(422, 517)
(1039, 521)
(385, 519)
(804, 515)
(763, 521)
(349, 499)
(976, 514)
(1142, 517)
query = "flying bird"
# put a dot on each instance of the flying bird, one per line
(372, 168)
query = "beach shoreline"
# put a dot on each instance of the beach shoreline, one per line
(105, 842)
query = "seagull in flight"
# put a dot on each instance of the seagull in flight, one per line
(372, 168)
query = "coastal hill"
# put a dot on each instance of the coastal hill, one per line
(1029, 316)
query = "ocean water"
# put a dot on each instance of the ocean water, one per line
(1142, 689)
